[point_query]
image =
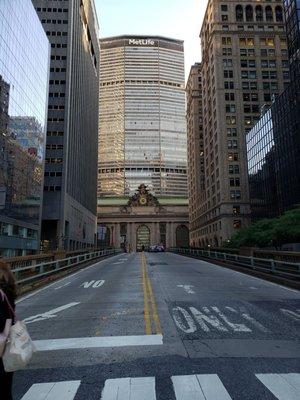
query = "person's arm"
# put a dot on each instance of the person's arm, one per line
(4, 315)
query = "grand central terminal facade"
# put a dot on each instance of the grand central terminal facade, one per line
(142, 220)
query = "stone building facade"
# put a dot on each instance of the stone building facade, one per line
(142, 221)
(244, 66)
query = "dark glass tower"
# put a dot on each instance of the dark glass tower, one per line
(70, 201)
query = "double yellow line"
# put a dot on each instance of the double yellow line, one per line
(152, 323)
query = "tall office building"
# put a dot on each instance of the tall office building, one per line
(142, 132)
(194, 118)
(70, 189)
(245, 64)
(24, 64)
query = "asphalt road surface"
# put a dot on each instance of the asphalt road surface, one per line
(161, 326)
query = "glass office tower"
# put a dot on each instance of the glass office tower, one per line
(142, 127)
(24, 61)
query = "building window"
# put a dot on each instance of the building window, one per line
(239, 13)
(259, 13)
(249, 13)
(269, 13)
(279, 14)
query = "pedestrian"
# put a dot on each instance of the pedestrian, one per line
(9, 287)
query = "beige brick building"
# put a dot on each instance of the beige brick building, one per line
(196, 188)
(244, 65)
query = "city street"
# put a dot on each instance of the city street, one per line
(161, 326)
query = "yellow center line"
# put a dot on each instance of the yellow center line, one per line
(146, 302)
(150, 313)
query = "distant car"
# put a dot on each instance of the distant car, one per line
(157, 248)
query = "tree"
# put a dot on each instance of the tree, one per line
(270, 232)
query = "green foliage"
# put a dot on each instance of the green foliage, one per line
(270, 232)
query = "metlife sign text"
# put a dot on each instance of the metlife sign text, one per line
(141, 42)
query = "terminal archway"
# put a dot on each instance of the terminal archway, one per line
(182, 236)
(143, 238)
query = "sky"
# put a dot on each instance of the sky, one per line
(178, 19)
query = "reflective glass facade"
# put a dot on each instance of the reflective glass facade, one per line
(24, 61)
(273, 149)
(142, 135)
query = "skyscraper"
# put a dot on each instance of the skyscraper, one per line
(194, 117)
(70, 198)
(142, 132)
(244, 65)
(24, 65)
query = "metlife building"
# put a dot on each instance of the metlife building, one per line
(142, 129)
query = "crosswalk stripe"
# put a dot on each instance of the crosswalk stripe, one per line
(199, 387)
(129, 389)
(52, 391)
(283, 386)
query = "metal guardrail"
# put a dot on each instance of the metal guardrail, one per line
(31, 273)
(288, 270)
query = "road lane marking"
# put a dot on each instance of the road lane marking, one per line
(243, 312)
(187, 288)
(117, 263)
(283, 386)
(210, 319)
(129, 389)
(28, 296)
(236, 327)
(59, 287)
(52, 391)
(94, 284)
(49, 314)
(187, 324)
(152, 322)
(98, 342)
(199, 387)
(213, 318)
(146, 301)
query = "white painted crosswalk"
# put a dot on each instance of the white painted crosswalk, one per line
(53, 391)
(186, 387)
(199, 387)
(283, 386)
(129, 389)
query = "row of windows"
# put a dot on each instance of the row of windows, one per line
(55, 94)
(55, 21)
(55, 119)
(55, 33)
(57, 69)
(57, 82)
(54, 146)
(59, 45)
(55, 160)
(52, 188)
(270, 42)
(55, 133)
(58, 57)
(261, 14)
(52, 9)
(56, 107)
(53, 174)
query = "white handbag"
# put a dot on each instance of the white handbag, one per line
(19, 347)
